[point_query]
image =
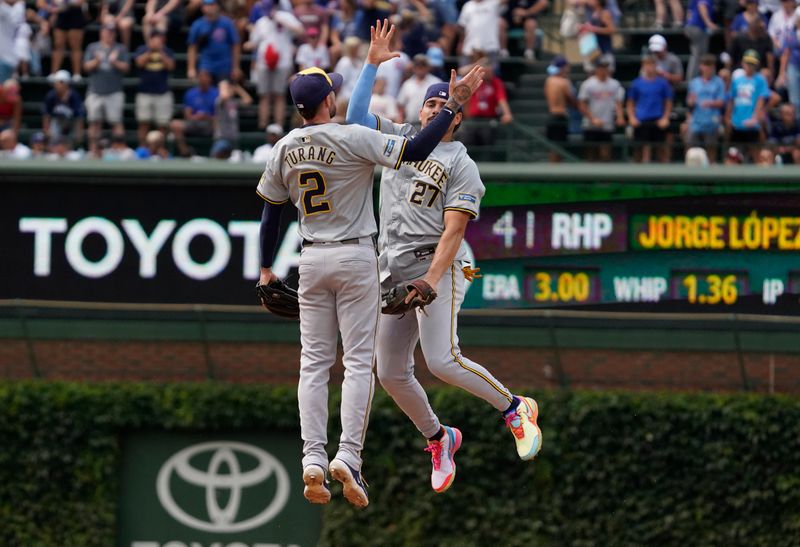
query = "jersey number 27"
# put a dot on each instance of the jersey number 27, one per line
(418, 197)
(313, 185)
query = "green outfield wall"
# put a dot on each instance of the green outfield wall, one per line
(589, 237)
(145, 465)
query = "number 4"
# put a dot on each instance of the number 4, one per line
(504, 227)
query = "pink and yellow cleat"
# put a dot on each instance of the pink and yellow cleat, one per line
(522, 423)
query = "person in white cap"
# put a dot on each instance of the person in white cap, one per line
(63, 111)
(668, 65)
(263, 152)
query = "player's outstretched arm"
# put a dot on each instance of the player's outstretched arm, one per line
(379, 52)
(426, 140)
(358, 108)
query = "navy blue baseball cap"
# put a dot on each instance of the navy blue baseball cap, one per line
(312, 85)
(439, 90)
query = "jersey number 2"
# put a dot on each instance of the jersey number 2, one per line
(313, 185)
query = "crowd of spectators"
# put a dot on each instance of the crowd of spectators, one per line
(240, 54)
(85, 113)
(744, 95)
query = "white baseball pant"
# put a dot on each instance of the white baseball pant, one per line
(436, 330)
(338, 291)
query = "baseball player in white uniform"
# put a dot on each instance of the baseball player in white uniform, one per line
(424, 210)
(326, 171)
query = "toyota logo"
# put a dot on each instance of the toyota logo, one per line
(225, 455)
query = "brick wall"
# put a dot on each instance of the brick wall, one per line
(279, 363)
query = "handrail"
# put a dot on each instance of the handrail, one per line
(540, 140)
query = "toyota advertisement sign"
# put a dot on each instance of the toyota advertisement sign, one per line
(192, 490)
(136, 243)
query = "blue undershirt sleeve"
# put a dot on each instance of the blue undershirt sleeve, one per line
(269, 232)
(358, 109)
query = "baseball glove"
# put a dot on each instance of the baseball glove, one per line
(279, 299)
(394, 302)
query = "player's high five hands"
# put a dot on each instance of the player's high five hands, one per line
(461, 90)
(380, 42)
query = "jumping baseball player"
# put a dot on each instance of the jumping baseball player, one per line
(326, 171)
(424, 210)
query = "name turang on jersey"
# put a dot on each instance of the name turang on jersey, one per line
(319, 154)
(414, 199)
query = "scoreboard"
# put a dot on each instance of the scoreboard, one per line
(733, 252)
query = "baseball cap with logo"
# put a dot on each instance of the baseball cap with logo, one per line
(751, 57)
(312, 85)
(657, 43)
(440, 90)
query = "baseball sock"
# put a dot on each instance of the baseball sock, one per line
(438, 436)
(513, 406)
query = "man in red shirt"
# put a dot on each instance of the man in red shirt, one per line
(486, 105)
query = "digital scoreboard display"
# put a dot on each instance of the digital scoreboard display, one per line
(714, 253)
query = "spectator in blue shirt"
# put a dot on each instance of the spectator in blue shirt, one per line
(649, 106)
(748, 95)
(706, 99)
(198, 113)
(154, 100)
(699, 27)
(216, 39)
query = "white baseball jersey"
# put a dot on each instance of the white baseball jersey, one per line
(327, 172)
(413, 203)
(414, 199)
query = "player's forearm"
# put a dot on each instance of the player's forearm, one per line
(358, 108)
(269, 231)
(426, 140)
(445, 253)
